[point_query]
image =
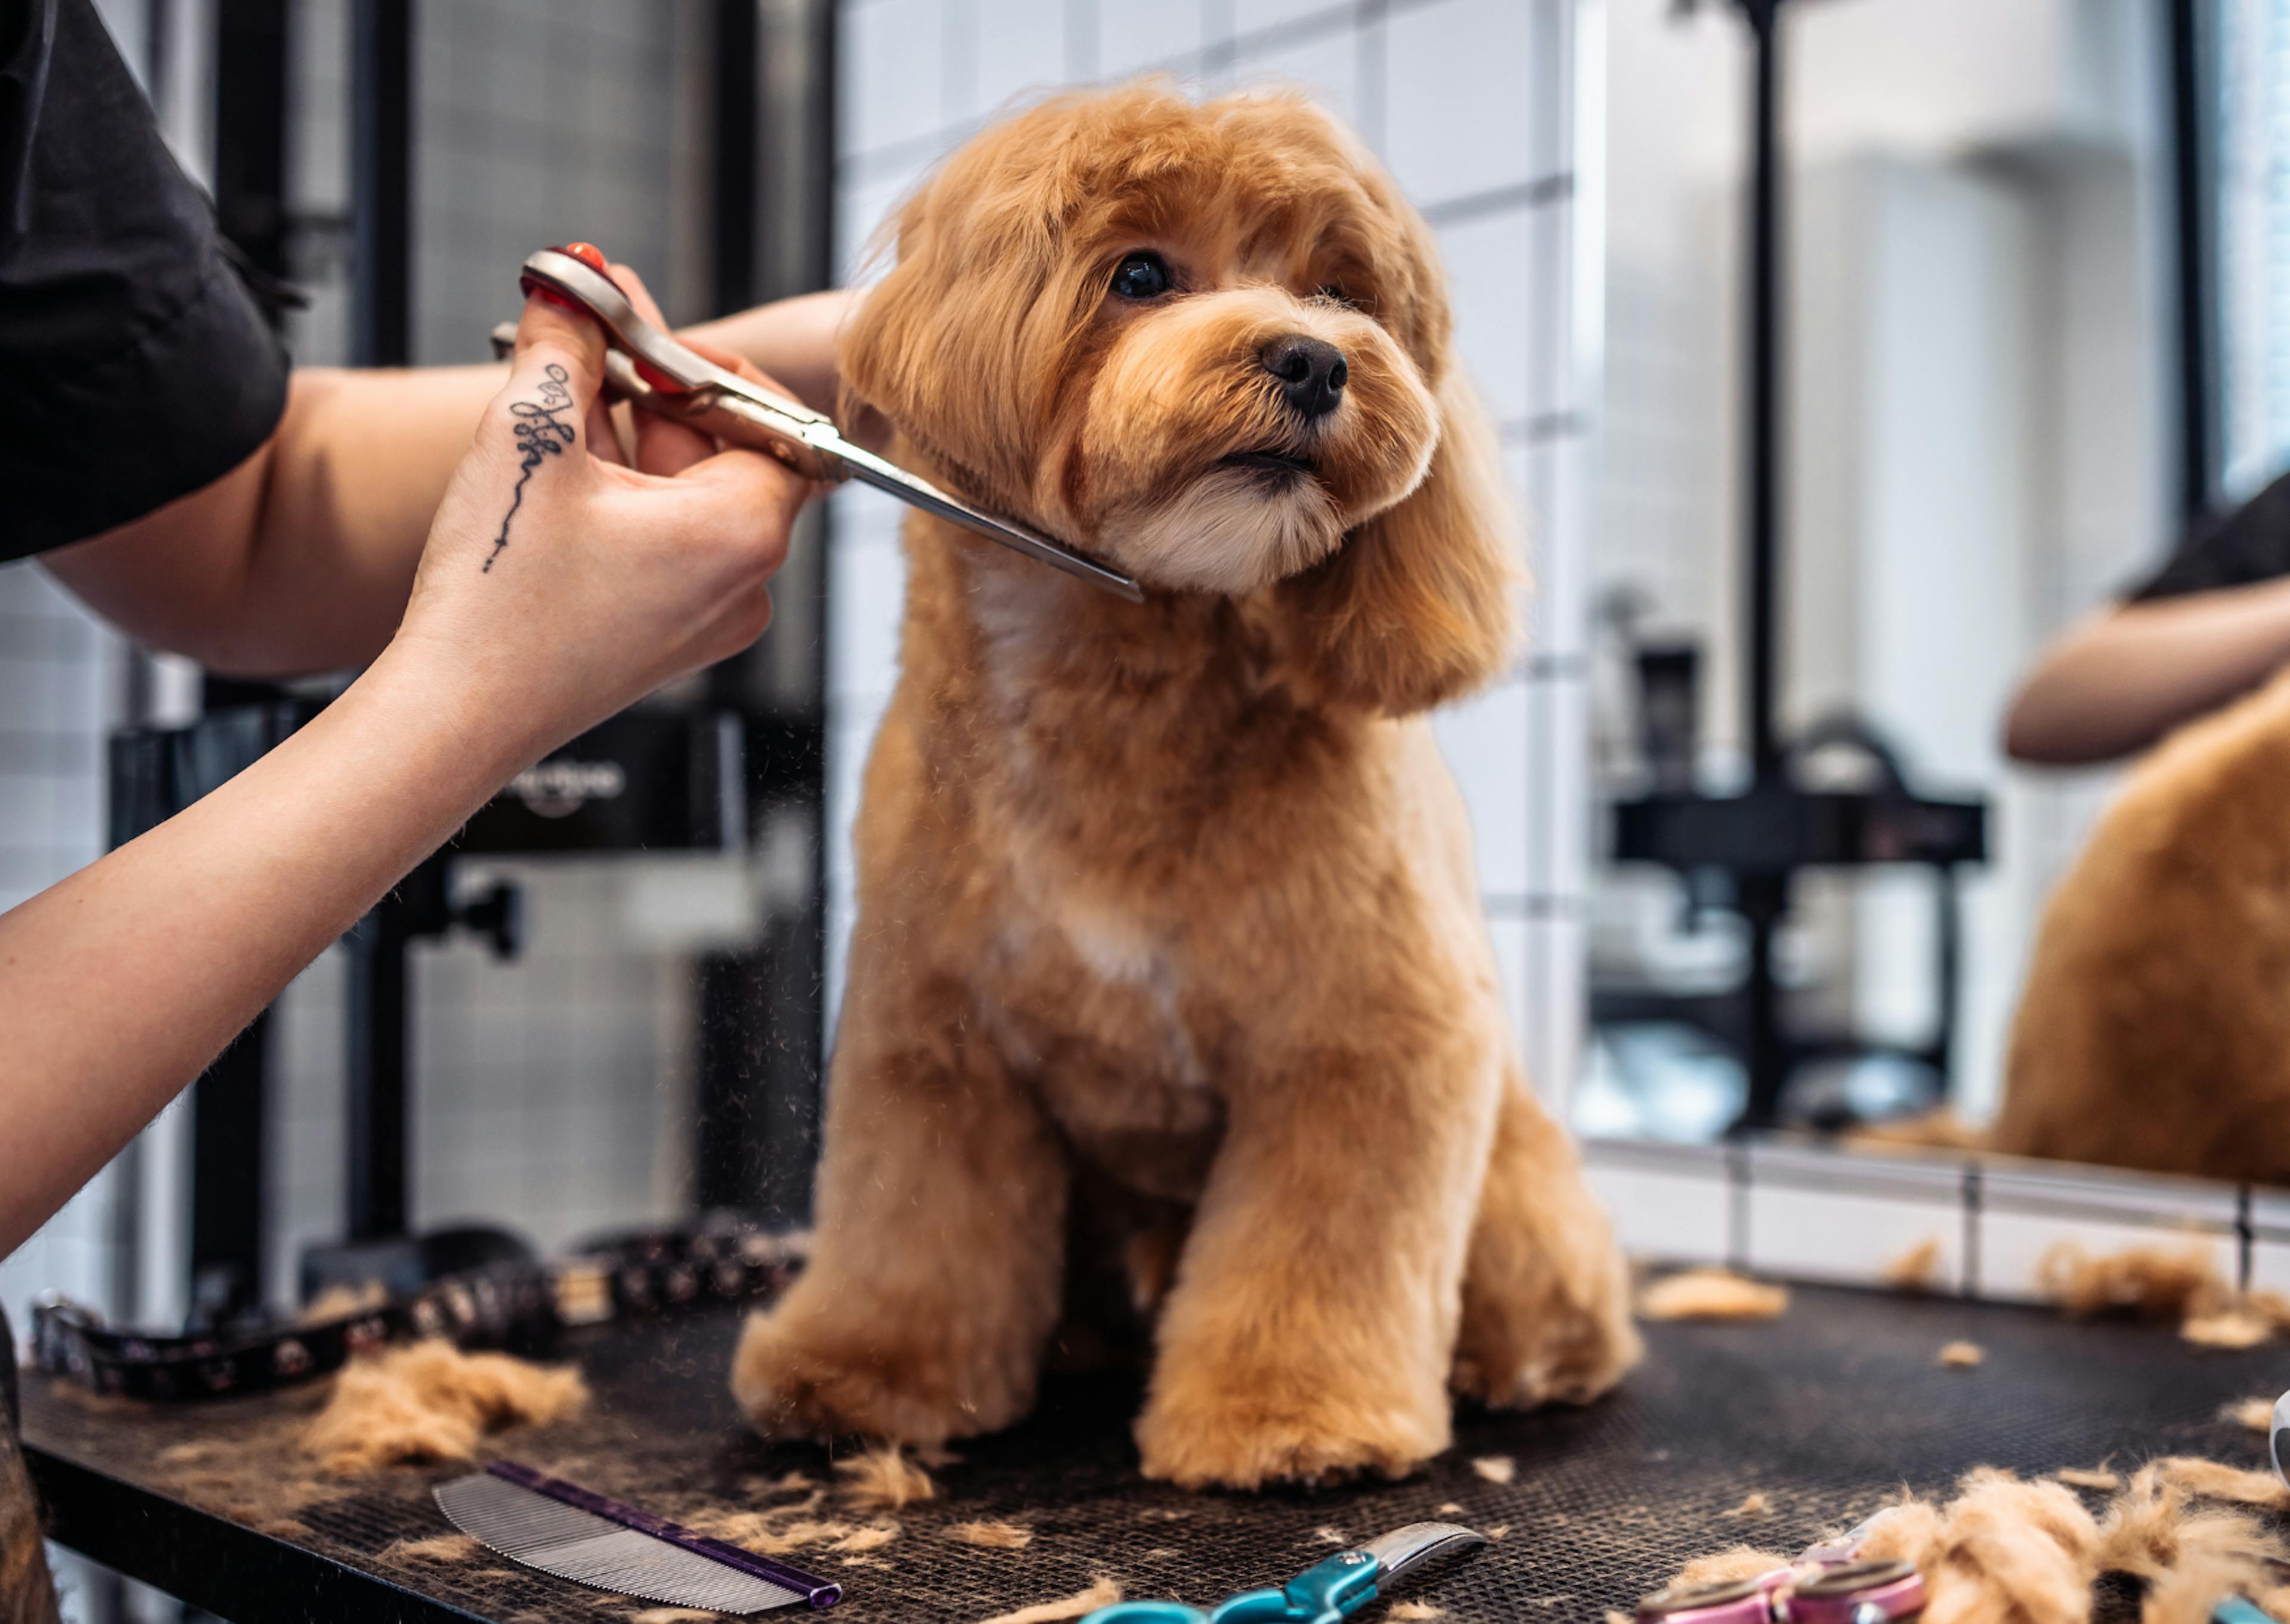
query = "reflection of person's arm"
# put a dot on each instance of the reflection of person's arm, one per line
(2120, 680)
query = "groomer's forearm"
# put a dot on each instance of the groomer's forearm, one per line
(120, 984)
(2123, 678)
(362, 460)
(298, 560)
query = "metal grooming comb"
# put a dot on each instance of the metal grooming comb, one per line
(561, 1528)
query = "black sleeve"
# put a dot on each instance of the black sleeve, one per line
(134, 365)
(2249, 545)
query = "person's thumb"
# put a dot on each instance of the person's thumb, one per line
(552, 391)
(553, 333)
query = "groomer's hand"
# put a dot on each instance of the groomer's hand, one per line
(562, 582)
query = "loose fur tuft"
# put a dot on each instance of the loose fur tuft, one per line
(1712, 1293)
(884, 1480)
(1104, 1593)
(431, 1402)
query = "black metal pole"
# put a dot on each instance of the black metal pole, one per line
(376, 1096)
(1762, 434)
(381, 164)
(2198, 453)
(761, 1042)
(738, 65)
(381, 303)
(230, 1105)
(1763, 899)
(249, 150)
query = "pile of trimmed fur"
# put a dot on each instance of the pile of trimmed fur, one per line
(431, 1402)
(2005, 1551)
(2178, 1283)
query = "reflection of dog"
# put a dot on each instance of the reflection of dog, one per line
(1175, 901)
(2155, 1028)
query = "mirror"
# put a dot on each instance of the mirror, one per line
(1827, 920)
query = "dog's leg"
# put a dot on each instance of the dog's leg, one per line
(1308, 1333)
(934, 1278)
(1546, 1297)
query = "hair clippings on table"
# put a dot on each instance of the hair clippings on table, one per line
(717, 1260)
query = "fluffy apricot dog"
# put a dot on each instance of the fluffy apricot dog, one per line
(1168, 909)
(2155, 1028)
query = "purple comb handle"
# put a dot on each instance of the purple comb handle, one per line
(819, 1592)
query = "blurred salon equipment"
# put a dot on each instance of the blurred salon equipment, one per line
(648, 780)
(1744, 852)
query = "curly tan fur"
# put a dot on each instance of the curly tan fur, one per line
(1174, 899)
(432, 1402)
(1712, 1293)
(2007, 1552)
(2157, 971)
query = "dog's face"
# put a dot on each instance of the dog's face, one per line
(1208, 344)
(1198, 341)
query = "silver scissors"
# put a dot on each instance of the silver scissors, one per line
(651, 370)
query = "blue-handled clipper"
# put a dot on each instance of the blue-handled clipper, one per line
(1325, 1593)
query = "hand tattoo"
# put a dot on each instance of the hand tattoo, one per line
(541, 434)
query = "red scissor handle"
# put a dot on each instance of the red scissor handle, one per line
(593, 257)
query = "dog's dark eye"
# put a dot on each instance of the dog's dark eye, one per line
(1141, 276)
(1331, 291)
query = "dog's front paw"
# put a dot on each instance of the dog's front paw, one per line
(797, 1380)
(1240, 1434)
(1534, 1340)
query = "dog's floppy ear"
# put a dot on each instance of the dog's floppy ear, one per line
(1419, 604)
(942, 346)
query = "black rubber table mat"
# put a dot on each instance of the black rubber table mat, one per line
(1825, 1412)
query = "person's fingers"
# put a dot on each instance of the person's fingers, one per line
(553, 333)
(734, 362)
(640, 296)
(663, 445)
(605, 434)
(763, 494)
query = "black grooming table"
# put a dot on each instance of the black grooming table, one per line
(1825, 1412)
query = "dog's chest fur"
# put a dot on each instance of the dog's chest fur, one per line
(1132, 812)
(1117, 1059)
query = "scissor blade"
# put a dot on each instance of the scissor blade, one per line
(1405, 1549)
(918, 491)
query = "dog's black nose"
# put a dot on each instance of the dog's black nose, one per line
(1311, 373)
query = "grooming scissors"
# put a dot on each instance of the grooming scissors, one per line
(650, 369)
(1322, 1594)
(1827, 1584)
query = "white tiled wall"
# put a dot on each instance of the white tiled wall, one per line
(1472, 104)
